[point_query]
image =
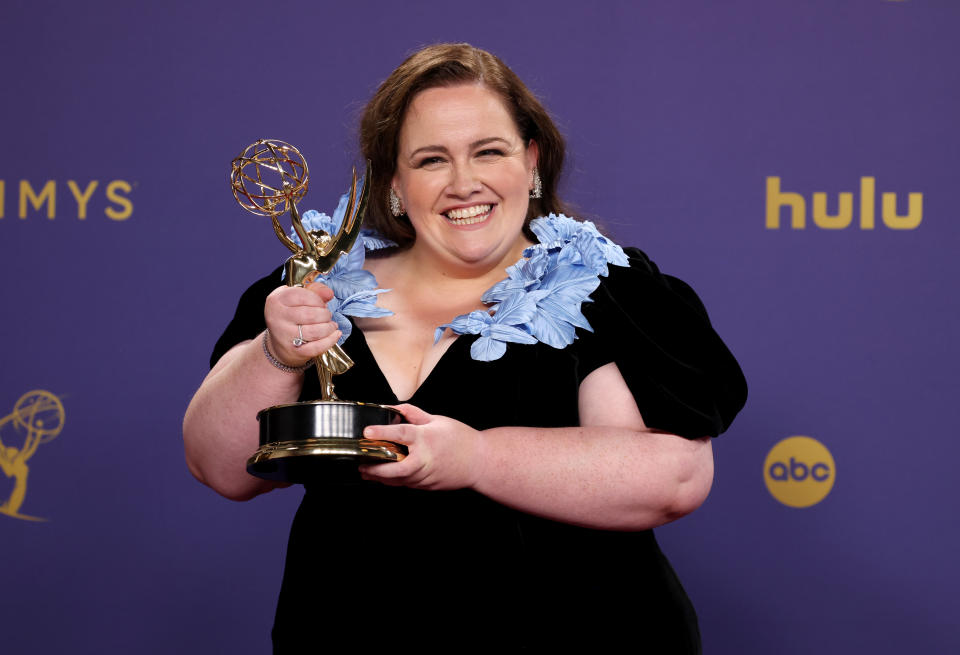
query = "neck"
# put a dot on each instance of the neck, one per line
(431, 269)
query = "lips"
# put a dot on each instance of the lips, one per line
(468, 215)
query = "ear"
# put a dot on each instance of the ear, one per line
(394, 186)
(532, 154)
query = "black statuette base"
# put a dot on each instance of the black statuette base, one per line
(302, 442)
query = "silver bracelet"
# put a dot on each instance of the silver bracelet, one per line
(276, 362)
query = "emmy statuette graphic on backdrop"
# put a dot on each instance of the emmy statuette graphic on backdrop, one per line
(301, 440)
(38, 415)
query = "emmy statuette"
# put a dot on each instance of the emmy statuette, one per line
(299, 441)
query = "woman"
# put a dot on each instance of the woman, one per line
(541, 453)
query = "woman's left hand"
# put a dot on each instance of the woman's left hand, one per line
(443, 453)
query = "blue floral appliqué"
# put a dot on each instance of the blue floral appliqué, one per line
(354, 289)
(541, 296)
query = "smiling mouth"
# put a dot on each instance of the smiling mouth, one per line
(468, 215)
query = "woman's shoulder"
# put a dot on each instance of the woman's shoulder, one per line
(640, 288)
(656, 329)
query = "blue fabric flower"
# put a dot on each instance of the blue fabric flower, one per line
(354, 289)
(541, 297)
(539, 300)
(362, 303)
(555, 230)
(495, 330)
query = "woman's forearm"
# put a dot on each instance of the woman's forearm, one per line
(609, 473)
(598, 477)
(220, 429)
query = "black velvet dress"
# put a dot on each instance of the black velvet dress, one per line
(370, 566)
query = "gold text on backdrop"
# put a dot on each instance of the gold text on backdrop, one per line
(43, 199)
(777, 199)
(799, 471)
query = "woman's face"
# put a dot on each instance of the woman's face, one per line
(464, 175)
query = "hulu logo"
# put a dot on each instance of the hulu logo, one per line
(844, 216)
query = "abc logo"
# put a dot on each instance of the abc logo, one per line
(799, 471)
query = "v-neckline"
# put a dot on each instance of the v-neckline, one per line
(440, 362)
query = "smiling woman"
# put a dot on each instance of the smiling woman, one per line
(464, 175)
(561, 395)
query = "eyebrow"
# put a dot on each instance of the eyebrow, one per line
(475, 144)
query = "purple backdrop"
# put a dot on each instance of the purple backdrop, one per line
(676, 115)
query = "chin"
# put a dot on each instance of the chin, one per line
(477, 252)
(473, 256)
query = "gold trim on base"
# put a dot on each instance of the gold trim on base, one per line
(359, 449)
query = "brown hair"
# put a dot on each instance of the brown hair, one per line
(448, 64)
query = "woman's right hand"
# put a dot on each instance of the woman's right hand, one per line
(220, 428)
(287, 308)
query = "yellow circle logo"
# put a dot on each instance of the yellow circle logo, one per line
(799, 471)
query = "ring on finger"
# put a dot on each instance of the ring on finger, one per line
(299, 340)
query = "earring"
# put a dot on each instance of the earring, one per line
(395, 208)
(537, 190)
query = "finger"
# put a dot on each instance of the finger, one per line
(296, 296)
(413, 414)
(390, 482)
(282, 319)
(317, 331)
(297, 328)
(288, 354)
(316, 348)
(402, 470)
(404, 433)
(320, 289)
(307, 315)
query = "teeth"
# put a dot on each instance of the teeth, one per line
(468, 215)
(468, 221)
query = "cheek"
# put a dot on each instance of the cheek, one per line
(518, 176)
(422, 188)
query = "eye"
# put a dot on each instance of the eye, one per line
(490, 152)
(430, 161)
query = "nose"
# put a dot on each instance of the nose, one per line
(463, 182)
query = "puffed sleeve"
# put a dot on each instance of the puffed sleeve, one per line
(248, 320)
(655, 328)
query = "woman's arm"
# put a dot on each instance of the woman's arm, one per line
(610, 473)
(220, 429)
